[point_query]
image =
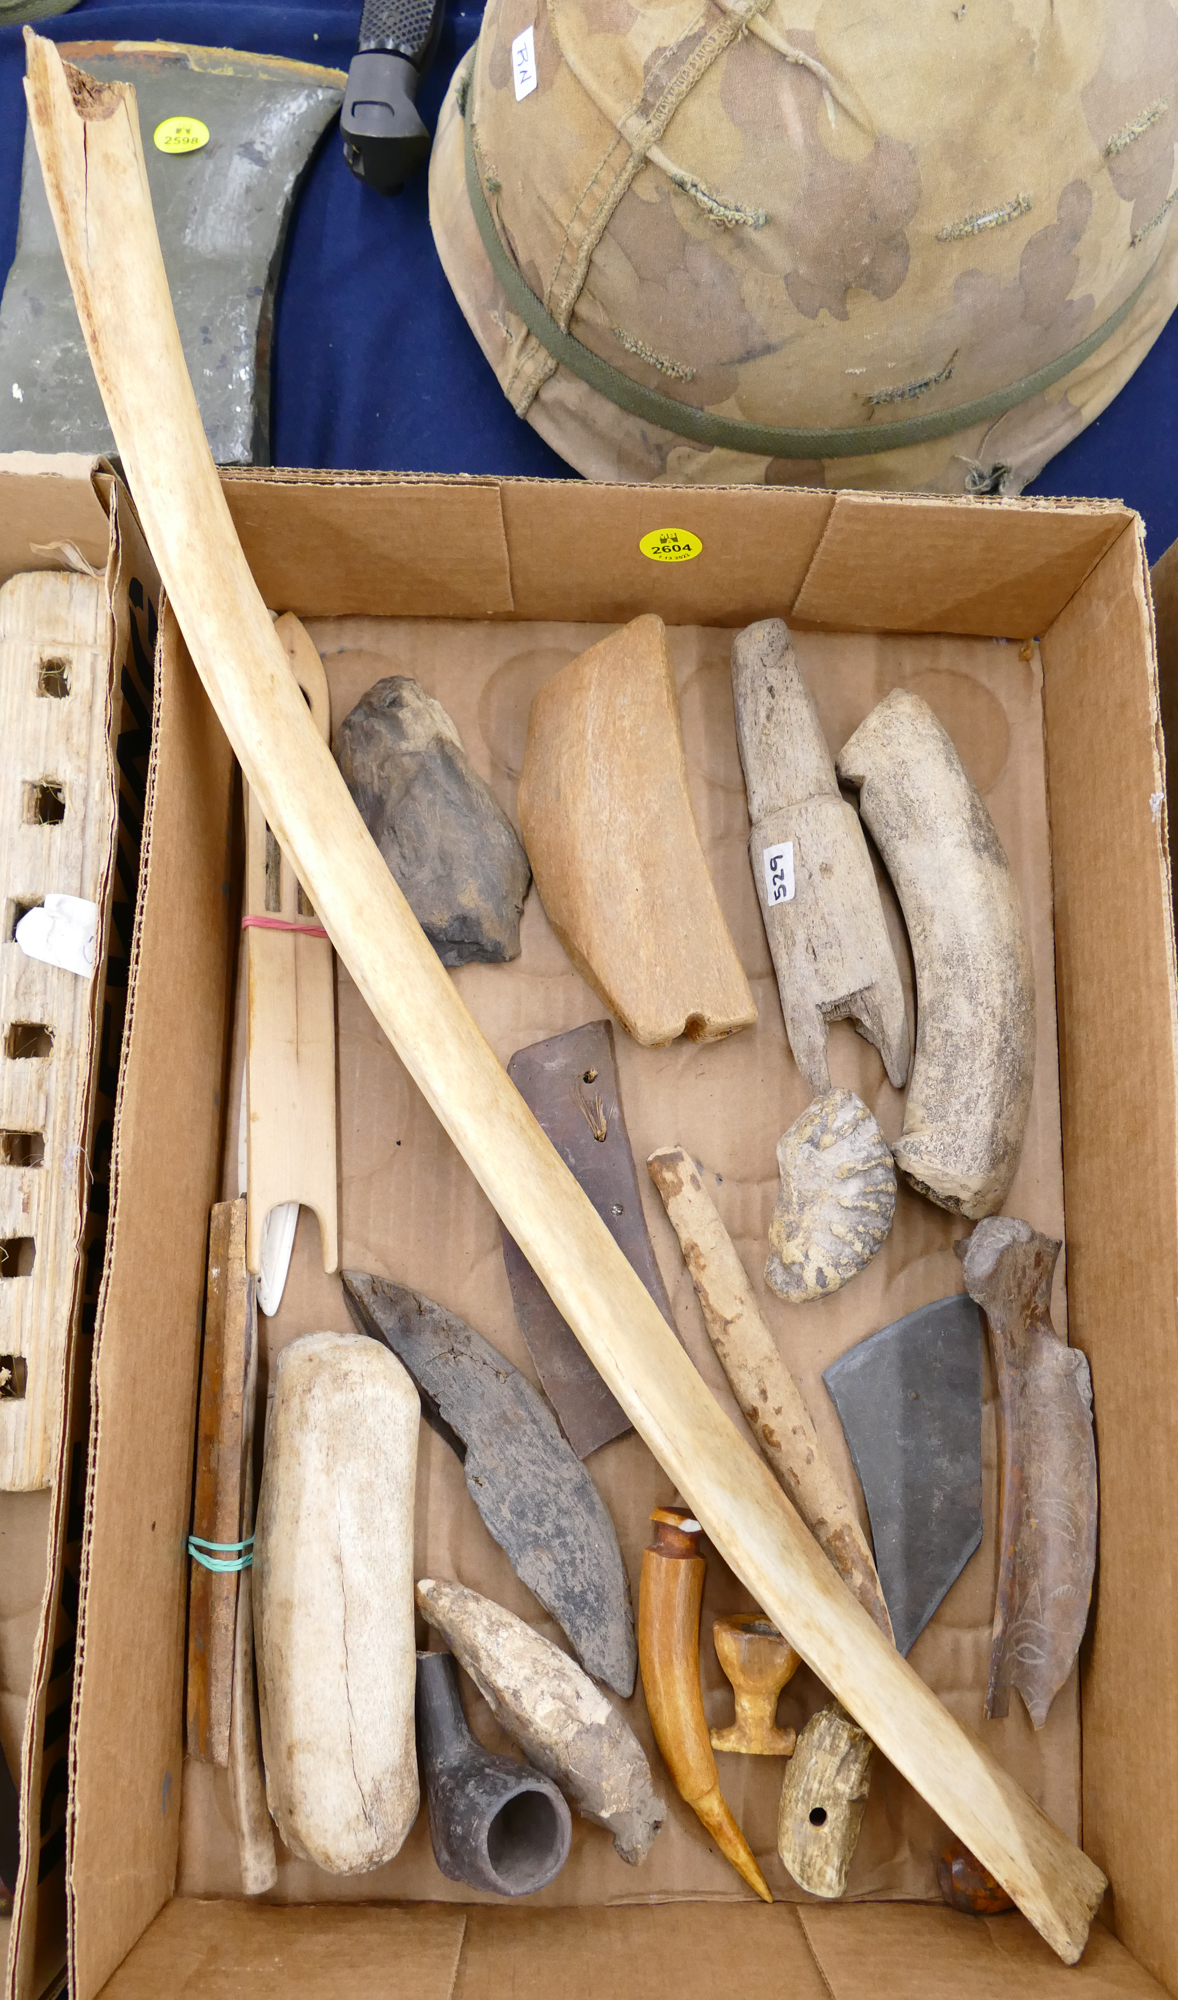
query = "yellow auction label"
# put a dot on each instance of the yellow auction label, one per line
(671, 545)
(181, 135)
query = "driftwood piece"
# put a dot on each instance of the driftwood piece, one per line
(87, 138)
(290, 1062)
(823, 1797)
(770, 1401)
(247, 1778)
(970, 1091)
(494, 1823)
(669, 1599)
(57, 836)
(224, 1429)
(836, 1201)
(333, 1602)
(815, 882)
(570, 1082)
(534, 1495)
(1047, 1526)
(563, 1723)
(758, 1662)
(446, 839)
(612, 839)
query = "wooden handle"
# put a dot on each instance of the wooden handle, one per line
(87, 137)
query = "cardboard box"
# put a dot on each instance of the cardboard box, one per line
(64, 513)
(1071, 577)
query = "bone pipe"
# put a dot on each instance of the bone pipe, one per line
(87, 137)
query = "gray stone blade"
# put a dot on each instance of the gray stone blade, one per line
(910, 1403)
(531, 1489)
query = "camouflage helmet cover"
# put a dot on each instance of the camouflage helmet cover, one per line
(815, 215)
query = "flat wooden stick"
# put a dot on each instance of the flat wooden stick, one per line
(87, 136)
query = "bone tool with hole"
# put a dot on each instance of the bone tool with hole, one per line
(290, 1060)
(826, 1783)
(970, 1092)
(570, 1082)
(1047, 1529)
(57, 838)
(815, 883)
(669, 1598)
(88, 139)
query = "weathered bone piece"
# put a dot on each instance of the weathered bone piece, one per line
(815, 882)
(823, 1797)
(333, 1602)
(224, 1432)
(494, 1823)
(290, 1055)
(758, 1662)
(87, 137)
(669, 1598)
(770, 1401)
(534, 1495)
(1047, 1525)
(970, 1090)
(909, 1400)
(447, 841)
(612, 839)
(58, 824)
(837, 1198)
(563, 1724)
(570, 1082)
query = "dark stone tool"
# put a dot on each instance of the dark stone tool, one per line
(494, 1822)
(570, 1083)
(910, 1403)
(535, 1498)
(221, 210)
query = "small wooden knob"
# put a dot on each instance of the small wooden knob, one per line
(758, 1662)
(966, 1885)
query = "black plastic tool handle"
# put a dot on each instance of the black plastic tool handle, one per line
(406, 28)
(384, 138)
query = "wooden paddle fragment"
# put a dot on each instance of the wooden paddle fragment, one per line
(228, 1366)
(290, 1065)
(614, 848)
(87, 137)
(815, 883)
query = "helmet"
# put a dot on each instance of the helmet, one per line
(816, 242)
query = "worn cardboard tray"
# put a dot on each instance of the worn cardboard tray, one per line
(62, 513)
(531, 558)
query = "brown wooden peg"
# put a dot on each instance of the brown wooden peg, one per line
(758, 1662)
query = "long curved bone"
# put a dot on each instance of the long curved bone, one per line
(975, 992)
(831, 950)
(88, 140)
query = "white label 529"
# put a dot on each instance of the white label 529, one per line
(778, 863)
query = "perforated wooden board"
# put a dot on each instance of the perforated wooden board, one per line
(57, 828)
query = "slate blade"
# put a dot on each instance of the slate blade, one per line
(910, 1402)
(570, 1084)
(534, 1495)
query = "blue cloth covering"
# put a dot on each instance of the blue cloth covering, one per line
(374, 365)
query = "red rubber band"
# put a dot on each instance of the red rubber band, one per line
(282, 924)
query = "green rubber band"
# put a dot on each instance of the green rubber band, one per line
(732, 433)
(223, 1557)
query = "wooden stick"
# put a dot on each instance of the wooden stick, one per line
(87, 136)
(770, 1401)
(247, 1779)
